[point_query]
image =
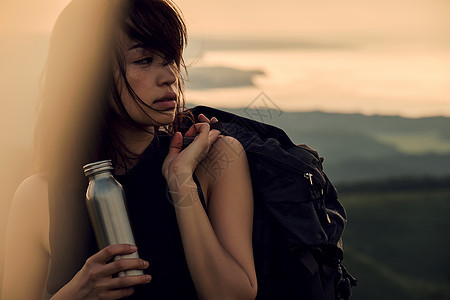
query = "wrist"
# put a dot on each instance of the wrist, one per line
(183, 191)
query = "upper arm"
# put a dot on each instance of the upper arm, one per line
(27, 249)
(230, 201)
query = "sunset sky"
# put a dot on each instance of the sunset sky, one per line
(403, 49)
(421, 18)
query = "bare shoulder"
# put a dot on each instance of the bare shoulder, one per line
(226, 150)
(229, 143)
(27, 244)
(30, 202)
(225, 163)
(33, 191)
(225, 155)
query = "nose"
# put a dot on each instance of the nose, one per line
(168, 75)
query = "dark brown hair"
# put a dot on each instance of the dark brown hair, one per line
(157, 26)
(75, 114)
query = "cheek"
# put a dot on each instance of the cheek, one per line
(141, 82)
(122, 89)
(125, 101)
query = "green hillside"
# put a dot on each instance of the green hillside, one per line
(396, 243)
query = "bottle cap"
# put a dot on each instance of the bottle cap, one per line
(98, 167)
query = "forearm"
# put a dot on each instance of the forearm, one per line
(216, 274)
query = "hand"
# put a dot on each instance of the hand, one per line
(183, 163)
(95, 280)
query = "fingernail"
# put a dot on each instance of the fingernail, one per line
(148, 278)
(214, 119)
(146, 263)
(133, 248)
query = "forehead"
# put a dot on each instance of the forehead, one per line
(125, 42)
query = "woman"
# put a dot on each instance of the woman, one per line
(112, 90)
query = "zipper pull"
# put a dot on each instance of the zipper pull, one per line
(309, 176)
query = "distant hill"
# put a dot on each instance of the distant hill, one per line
(360, 148)
(395, 245)
(220, 77)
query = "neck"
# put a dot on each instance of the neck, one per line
(136, 142)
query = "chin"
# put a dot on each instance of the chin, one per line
(163, 118)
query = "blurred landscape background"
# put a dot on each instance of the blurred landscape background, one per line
(366, 83)
(393, 177)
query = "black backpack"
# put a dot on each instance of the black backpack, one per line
(298, 220)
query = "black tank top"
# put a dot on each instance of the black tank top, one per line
(155, 227)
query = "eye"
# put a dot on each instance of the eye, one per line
(144, 61)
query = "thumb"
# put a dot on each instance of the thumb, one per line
(176, 143)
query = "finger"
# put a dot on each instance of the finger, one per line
(126, 281)
(176, 144)
(123, 265)
(213, 136)
(197, 128)
(203, 118)
(107, 253)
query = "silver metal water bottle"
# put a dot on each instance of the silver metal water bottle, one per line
(107, 210)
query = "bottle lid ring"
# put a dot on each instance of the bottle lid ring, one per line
(97, 167)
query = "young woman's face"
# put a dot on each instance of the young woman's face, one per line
(153, 80)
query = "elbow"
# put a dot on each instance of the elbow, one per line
(248, 292)
(253, 292)
(253, 289)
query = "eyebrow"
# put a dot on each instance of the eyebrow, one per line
(136, 46)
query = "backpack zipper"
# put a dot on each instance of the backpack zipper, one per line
(309, 176)
(321, 202)
(288, 166)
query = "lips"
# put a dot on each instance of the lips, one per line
(166, 102)
(167, 97)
